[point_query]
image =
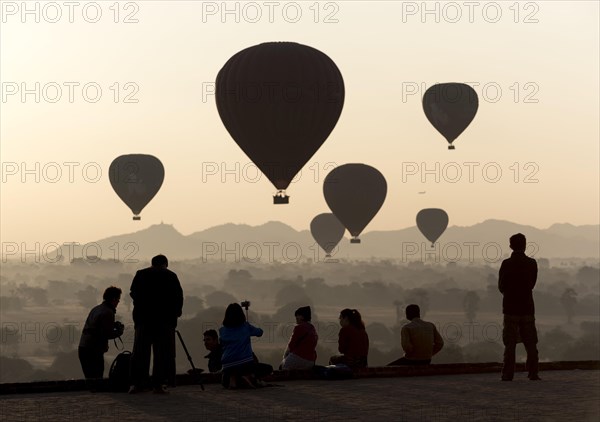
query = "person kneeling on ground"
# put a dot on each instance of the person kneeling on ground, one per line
(238, 361)
(211, 342)
(353, 341)
(420, 339)
(301, 350)
(100, 326)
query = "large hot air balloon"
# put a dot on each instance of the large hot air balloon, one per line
(355, 193)
(432, 222)
(327, 231)
(136, 178)
(450, 108)
(279, 101)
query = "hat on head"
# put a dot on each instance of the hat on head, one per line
(304, 312)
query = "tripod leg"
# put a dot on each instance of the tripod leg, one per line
(194, 371)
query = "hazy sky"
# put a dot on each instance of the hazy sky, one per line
(539, 109)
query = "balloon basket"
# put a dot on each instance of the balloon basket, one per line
(450, 146)
(328, 256)
(277, 199)
(355, 240)
(136, 218)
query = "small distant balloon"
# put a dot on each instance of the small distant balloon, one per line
(136, 178)
(355, 193)
(327, 231)
(450, 108)
(432, 222)
(279, 101)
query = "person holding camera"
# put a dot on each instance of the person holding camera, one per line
(238, 361)
(100, 326)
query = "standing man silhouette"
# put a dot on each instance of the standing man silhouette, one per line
(157, 303)
(517, 278)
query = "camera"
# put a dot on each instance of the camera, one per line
(119, 326)
(245, 304)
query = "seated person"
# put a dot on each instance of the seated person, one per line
(301, 350)
(239, 363)
(420, 339)
(353, 342)
(211, 343)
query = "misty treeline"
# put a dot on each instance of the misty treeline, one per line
(43, 308)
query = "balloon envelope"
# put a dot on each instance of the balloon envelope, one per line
(136, 178)
(355, 193)
(450, 108)
(327, 231)
(279, 101)
(432, 222)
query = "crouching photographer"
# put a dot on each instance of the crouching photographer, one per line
(100, 326)
(240, 365)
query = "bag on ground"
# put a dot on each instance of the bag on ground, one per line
(118, 376)
(334, 372)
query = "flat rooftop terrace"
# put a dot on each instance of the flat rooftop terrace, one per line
(473, 395)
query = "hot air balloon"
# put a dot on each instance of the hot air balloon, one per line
(136, 178)
(432, 222)
(279, 101)
(327, 231)
(450, 108)
(355, 193)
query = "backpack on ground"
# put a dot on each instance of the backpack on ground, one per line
(334, 372)
(118, 376)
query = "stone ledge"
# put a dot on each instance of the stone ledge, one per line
(370, 372)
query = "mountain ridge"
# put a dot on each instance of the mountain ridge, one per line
(277, 240)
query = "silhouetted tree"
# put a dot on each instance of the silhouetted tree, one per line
(317, 289)
(471, 305)
(379, 333)
(588, 275)
(240, 283)
(9, 340)
(398, 309)
(219, 298)
(127, 301)
(88, 297)
(493, 295)
(554, 343)
(569, 301)
(62, 338)
(14, 370)
(377, 292)
(285, 314)
(586, 347)
(37, 295)
(11, 303)
(451, 353)
(67, 365)
(483, 351)
(543, 263)
(291, 293)
(419, 297)
(239, 275)
(192, 305)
